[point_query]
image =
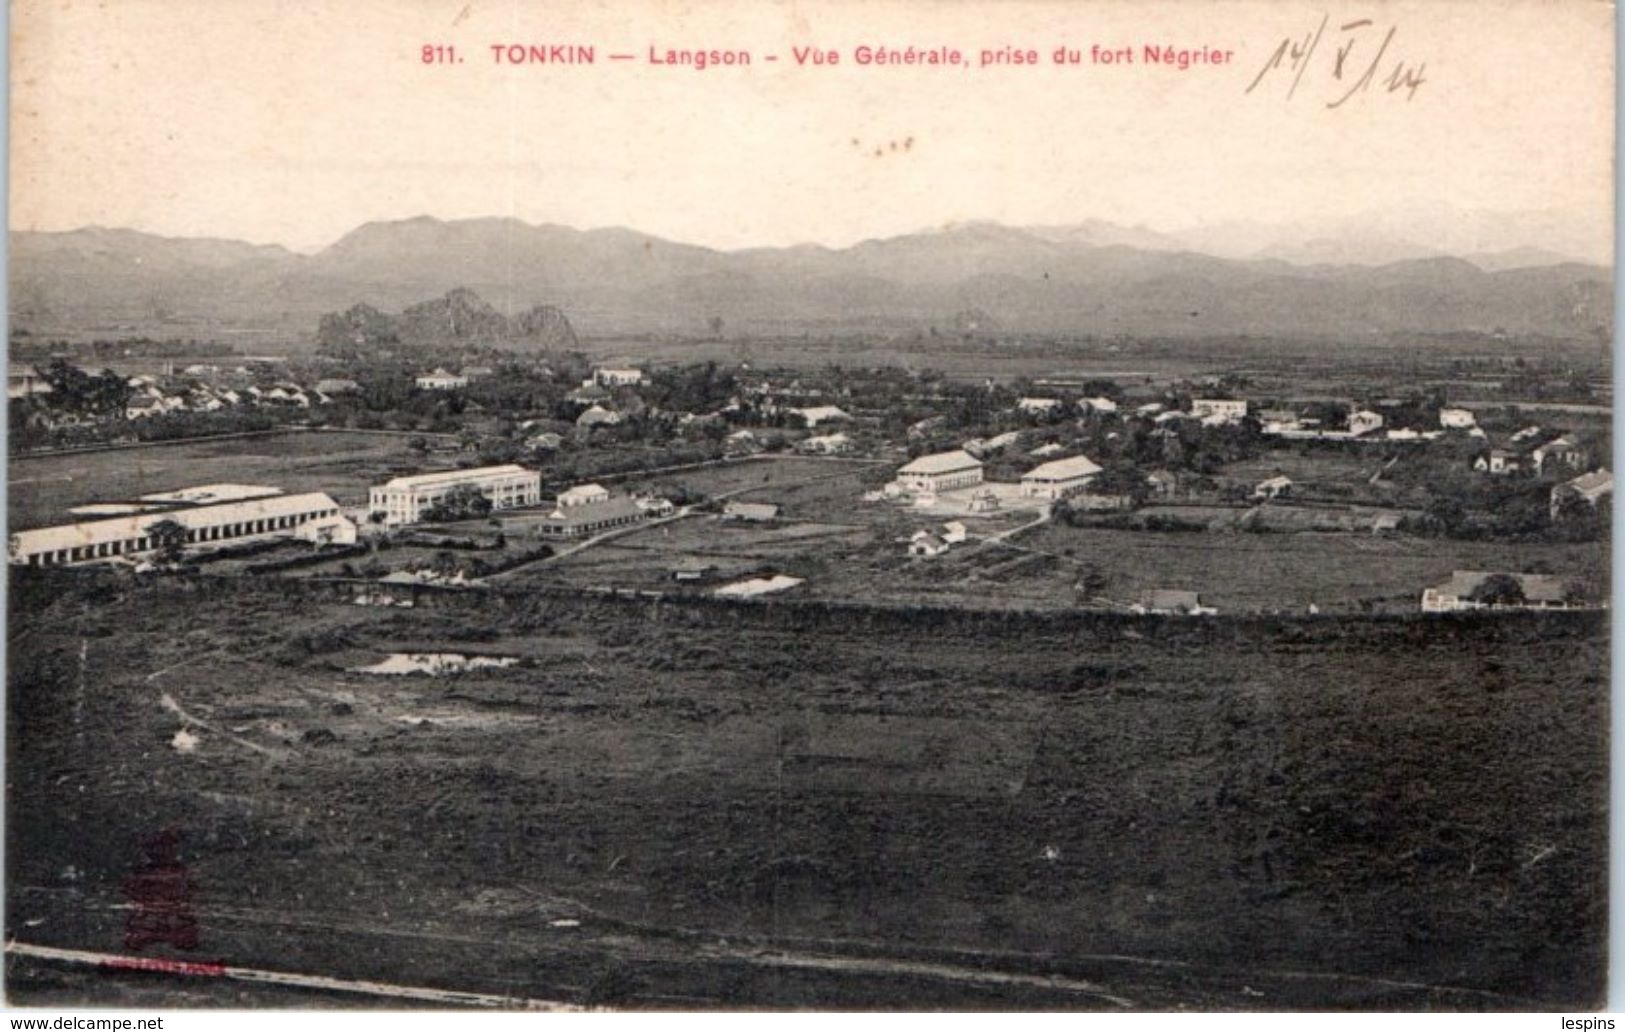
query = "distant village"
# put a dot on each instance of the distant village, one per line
(530, 438)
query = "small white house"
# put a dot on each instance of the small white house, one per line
(1464, 591)
(826, 444)
(1169, 602)
(821, 414)
(1274, 487)
(991, 445)
(625, 377)
(598, 416)
(1561, 451)
(583, 494)
(927, 545)
(1497, 461)
(954, 532)
(1589, 488)
(328, 530)
(1038, 406)
(984, 501)
(1457, 419)
(1364, 421)
(441, 380)
(1220, 410)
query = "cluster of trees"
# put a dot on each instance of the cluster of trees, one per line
(25, 348)
(1511, 510)
(463, 502)
(692, 388)
(175, 426)
(89, 394)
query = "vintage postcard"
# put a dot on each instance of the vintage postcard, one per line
(997, 505)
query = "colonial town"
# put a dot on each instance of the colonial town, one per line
(835, 483)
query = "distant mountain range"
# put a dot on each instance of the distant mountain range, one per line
(1086, 278)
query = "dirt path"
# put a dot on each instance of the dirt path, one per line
(424, 994)
(582, 546)
(917, 969)
(682, 513)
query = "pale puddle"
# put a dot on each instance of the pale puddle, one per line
(434, 663)
(758, 586)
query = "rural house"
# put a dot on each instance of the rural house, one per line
(926, 545)
(750, 512)
(624, 377)
(597, 415)
(1164, 484)
(984, 501)
(1219, 410)
(820, 414)
(1497, 461)
(1364, 421)
(589, 393)
(1471, 589)
(1562, 453)
(583, 494)
(1274, 487)
(826, 444)
(1038, 406)
(441, 380)
(1589, 488)
(1168, 602)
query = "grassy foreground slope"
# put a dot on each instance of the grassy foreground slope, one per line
(707, 805)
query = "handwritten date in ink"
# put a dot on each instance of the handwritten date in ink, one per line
(1358, 58)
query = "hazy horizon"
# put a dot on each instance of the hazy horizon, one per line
(1199, 237)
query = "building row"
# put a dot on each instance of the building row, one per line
(149, 527)
(959, 469)
(1468, 590)
(223, 513)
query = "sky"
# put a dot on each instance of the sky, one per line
(294, 121)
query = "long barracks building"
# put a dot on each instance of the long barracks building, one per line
(94, 540)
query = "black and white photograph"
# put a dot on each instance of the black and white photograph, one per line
(988, 506)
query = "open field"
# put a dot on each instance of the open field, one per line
(1293, 368)
(1289, 571)
(693, 804)
(1283, 515)
(1325, 466)
(645, 560)
(345, 465)
(764, 478)
(862, 556)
